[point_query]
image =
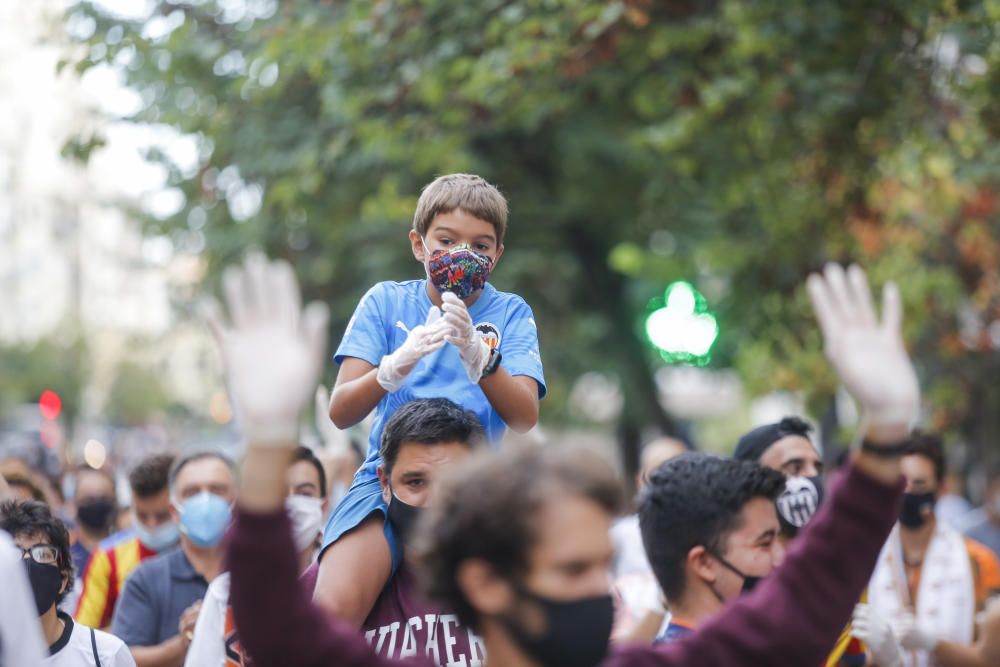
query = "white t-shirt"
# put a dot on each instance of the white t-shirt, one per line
(630, 555)
(75, 648)
(208, 648)
(21, 642)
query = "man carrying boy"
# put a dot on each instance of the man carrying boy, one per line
(451, 334)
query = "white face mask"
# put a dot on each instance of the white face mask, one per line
(307, 519)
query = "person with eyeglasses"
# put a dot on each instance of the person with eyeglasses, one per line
(42, 543)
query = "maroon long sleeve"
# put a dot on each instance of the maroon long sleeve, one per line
(793, 618)
(795, 615)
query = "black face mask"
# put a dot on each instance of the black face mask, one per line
(403, 517)
(911, 514)
(749, 581)
(46, 580)
(577, 632)
(96, 514)
(799, 502)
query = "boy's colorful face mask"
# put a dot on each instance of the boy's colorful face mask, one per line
(460, 270)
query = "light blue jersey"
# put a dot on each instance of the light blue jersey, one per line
(379, 327)
(374, 331)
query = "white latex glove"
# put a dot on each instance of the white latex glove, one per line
(273, 350)
(472, 349)
(876, 632)
(868, 355)
(913, 637)
(420, 341)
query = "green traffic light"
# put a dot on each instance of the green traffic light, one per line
(683, 330)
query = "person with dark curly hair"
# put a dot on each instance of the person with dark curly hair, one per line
(43, 543)
(710, 532)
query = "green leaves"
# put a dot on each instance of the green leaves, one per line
(763, 138)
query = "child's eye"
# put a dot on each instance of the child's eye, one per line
(445, 241)
(415, 483)
(482, 247)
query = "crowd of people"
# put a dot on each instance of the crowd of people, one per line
(454, 546)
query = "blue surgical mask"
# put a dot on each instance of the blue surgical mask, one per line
(204, 519)
(160, 538)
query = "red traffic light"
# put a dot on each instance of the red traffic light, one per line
(49, 404)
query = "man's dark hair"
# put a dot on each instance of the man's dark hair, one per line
(428, 421)
(179, 464)
(696, 499)
(149, 478)
(931, 447)
(489, 508)
(752, 445)
(32, 518)
(303, 453)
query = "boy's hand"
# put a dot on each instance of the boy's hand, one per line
(420, 341)
(273, 352)
(461, 333)
(868, 355)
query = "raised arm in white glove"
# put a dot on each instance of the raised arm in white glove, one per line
(272, 349)
(876, 632)
(420, 341)
(472, 349)
(913, 637)
(868, 354)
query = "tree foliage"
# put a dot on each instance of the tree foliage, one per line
(736, 145)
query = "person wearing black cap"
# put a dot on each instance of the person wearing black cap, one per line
(785, 446)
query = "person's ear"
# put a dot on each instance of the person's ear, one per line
(417, 246)
(701, 564)
(486, 592)
(175, 514)
(65, 583)
(383, 479)
(496, 259)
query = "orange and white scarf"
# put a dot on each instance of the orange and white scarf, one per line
(946, 597)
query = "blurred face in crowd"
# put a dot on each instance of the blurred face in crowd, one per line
(793, 455)
(655, 454)
(993, 499)
(93, 485)
(205, 474)
(22, 490)
(753, 548)
(572, 556)
(153, 511)
(414, 477)
(45, 556)
(303, 480)
(919, 473)
(95, 500)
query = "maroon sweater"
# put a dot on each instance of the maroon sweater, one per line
(792, 618)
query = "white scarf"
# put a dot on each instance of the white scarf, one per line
(946, 597)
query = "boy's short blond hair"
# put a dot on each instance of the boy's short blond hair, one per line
(468, 192)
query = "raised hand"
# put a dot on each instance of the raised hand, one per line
(420, 341)
(867, 353)
(333, 439)
(272, 349)
(461, 333)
